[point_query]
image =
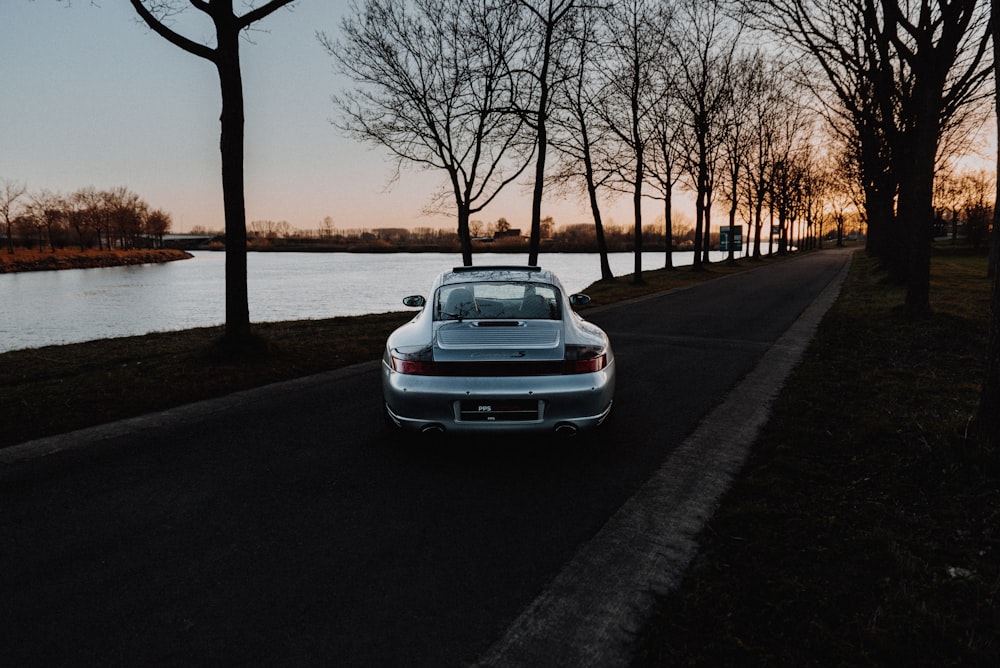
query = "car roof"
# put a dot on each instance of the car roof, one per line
(498, 273)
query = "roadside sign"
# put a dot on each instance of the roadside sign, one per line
(735, 233)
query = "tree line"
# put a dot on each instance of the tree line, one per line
(779, 112)
(555, 237)
(576, 237)
(86, 218)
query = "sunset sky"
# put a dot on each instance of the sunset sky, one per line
(90, 97)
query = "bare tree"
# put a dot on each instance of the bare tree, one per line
(815, 194)
(90, 216)
(158, 223)
(77, 209)
(940, 48)
(124, 214)
(948, 198)
(636, 35)
(765, 109)
(975, 206)
(549, 18)
(47, 211)
(844, 55)
(787, 173)
(582, 140)
(746, 86)
(435, 89)
(99, 217)
(225, 55)
(904, 71)
(10, 193)
(663, 168)
(783, 199)
(706, 51)
(663, 171)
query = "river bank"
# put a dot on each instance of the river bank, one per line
(23, 259)
(113, 302)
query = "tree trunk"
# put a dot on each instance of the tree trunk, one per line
(668, 230)
(231, 146)
(732, 225)
(602, 243)
(534, 241)
(758, 225)
(707, 212)
(699, 223)
(916, 207)
(637, 229)
(464, 236)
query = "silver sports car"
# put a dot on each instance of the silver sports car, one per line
(498, 349)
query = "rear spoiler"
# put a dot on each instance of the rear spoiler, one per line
(486, 267)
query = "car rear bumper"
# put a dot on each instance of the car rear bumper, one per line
(569, 403)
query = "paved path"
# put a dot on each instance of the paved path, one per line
(285, 526)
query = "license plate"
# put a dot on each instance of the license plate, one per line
(505, 410)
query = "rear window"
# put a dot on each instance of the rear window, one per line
(497, 300)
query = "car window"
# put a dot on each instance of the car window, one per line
(497, 300)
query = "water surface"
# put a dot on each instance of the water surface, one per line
(67, 306)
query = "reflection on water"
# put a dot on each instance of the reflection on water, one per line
(53, 307)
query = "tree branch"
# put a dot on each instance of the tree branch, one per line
(174, 38)
(262, 11)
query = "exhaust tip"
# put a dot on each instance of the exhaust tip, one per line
(432, 429)
(566, 429)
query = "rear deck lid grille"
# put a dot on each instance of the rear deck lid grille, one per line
(520, 336)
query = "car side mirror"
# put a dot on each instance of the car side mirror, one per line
(415, 301)
(579, 299)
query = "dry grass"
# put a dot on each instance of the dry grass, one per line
(50, 390)
(26, 259)
(866, 527)
(623, 287)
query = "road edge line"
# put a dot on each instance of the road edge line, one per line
(591, 613)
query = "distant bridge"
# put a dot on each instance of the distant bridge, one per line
(187, 241)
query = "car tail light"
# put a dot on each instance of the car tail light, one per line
(585, 359)
(419, 362)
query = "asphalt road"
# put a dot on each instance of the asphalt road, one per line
(286, 526)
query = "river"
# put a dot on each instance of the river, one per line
(56, 307)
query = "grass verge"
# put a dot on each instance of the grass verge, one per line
(865, 529)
